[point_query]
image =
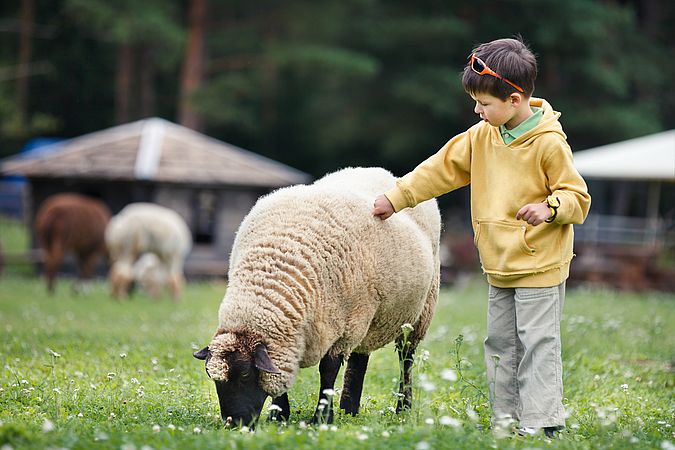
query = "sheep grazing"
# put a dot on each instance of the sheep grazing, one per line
(150, 274)
(71, 223)
(147, 228)
(315, 278)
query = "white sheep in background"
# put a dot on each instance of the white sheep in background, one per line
(314, 278)
(142, 228)
(150, 274)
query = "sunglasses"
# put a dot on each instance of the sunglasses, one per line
(478, 66)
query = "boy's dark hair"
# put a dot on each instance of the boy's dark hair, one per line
(511, 59)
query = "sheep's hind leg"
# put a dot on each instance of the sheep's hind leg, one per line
(283, 408)
(405, 360)
(328, 371)
(350, 400)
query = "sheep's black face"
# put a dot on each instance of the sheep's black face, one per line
(236, 373)
(241, 399)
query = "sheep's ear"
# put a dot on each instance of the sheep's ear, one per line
(262, 359)
(202, 354)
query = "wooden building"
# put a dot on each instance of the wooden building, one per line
(210, 183)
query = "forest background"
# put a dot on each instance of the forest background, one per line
(323, 84)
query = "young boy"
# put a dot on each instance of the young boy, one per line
(525, 196)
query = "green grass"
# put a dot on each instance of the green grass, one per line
(89, 372)
(14, 243)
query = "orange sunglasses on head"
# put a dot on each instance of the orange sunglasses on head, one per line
(478, 66)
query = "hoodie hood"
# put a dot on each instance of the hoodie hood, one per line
(547, 124)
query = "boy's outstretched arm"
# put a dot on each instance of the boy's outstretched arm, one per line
(382, 207)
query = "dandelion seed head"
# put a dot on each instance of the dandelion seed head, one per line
(156, 428)
(196, 430)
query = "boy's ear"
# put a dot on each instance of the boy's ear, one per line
(515, 98)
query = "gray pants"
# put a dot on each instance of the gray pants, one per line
(523, 355)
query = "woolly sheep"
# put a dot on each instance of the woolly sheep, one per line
(150, 274)
(147, 228)
(71, 223)
(315, 278)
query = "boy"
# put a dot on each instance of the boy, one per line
(525, 196)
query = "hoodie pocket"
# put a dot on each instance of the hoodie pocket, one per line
(503, 247)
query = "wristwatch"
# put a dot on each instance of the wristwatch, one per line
(553, 204)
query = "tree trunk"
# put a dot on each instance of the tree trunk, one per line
(123, 84)
(193, 66)
(23, 66)
(147, 85)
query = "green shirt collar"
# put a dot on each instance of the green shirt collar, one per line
(526, 125)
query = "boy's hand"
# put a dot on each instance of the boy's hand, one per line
(534, 213)
(382, 207)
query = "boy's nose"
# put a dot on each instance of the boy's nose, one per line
(477, 109)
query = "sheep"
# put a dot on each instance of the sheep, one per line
(315, 278)
(72, 223)
(147, 228)
(150, 274)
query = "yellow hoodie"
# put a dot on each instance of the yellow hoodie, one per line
(503, 179)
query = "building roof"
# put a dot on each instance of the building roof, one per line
(156, 150)
(649, 157)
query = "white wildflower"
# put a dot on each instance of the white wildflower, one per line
(197, 430)
(385, 434)
(123, 355)
(406, 327)
(245, 429)
(422, 445)
(274, 407)
(156, 428)
(47, 426)
(667, 445)
(429, 421)
(624, 387)
(449, 421)
(471, 414)
(329, 392)
(323, 427)
(362, 437)
(449, 374)
(53, 353)
(171, 426)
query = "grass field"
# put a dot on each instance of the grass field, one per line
(85, 371)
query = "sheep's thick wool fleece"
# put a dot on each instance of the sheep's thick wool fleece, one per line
(312, 271)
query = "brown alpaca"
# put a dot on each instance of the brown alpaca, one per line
(71, 223)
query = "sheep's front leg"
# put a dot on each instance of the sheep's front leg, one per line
(405, 360)
(328, 370)
(350, 400)
(283, 410)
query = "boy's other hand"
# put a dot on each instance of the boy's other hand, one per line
(382, 207)
(534, 213)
